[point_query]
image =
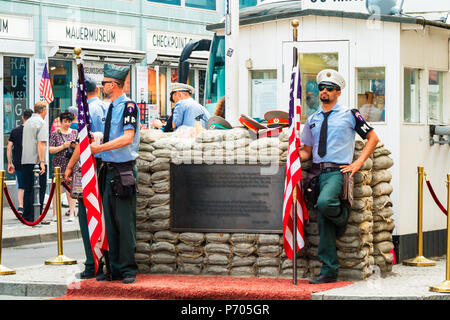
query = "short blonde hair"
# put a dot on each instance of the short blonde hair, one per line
(40, 106)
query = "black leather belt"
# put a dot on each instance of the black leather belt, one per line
(113, 164)
(327, 166)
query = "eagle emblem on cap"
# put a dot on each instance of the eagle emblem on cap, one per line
(328, 74)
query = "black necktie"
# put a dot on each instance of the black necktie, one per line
(323, 135)
(108, 124)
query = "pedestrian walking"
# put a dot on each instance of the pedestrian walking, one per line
(14, 157)
(118, 175)
(34, 145)
(329, 137)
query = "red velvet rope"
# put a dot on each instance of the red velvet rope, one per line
(65, 185)
(439, 204)
(19, 216)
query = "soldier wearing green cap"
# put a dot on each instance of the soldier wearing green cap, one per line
(118, 175)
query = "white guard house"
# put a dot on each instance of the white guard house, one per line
(397, 65)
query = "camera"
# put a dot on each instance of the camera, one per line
(70, 150)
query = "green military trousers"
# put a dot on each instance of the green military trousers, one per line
(330, 215)
(120, 219)
(89, 265)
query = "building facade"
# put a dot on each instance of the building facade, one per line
(146, 35)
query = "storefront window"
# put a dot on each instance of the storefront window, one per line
(16, 98)
(157, 80)
(371, 93)
(61, 80)
(263, 92)
(435, 97)
(247, 3)
(411, 90)
(174, 2)
(310, 65)
(202, 4)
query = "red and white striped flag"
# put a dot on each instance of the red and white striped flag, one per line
(45, 87)
(294, 170)
(91, 193)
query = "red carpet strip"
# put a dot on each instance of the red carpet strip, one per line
(185, 287)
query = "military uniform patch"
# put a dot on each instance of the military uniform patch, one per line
(130, 114)
(361, 126)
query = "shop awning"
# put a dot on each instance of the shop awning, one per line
(113, 56)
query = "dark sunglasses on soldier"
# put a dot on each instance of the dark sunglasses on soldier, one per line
(105, 82)
(329, 87)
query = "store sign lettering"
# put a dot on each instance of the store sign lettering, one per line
(90, 34)
(14, 27)
(172, 42)
(4, 25)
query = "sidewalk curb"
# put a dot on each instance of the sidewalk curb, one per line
(39, 238)
(22, 289)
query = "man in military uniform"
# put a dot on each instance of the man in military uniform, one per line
(118, 176)
(329, 137)
(97, 113)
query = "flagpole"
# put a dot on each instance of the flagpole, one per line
(295, 24)
(77, 52)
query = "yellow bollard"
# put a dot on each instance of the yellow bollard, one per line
(445, 286)
(419, 260)
(3, 270)
(60, 259)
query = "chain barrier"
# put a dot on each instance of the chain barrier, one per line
(433, 195)
(19, 216)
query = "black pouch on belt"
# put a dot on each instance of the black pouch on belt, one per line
(124, 182)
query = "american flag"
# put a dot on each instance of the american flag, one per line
(293, 169)
(45, 87)
(91, 195)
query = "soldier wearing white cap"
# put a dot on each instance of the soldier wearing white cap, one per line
(329, 138)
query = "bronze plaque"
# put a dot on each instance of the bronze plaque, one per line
(226, 198)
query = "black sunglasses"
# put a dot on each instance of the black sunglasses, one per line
(329, 87)
(105, 82)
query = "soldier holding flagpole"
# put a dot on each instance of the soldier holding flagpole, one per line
(118, 175)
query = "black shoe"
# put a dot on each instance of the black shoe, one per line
(322, 279)
(129, 279)
(20, 210)
(104, 277)
(85, 275)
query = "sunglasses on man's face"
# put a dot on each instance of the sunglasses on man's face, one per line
(329, 87)
(105, 82)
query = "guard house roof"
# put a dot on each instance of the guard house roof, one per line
(290, 9)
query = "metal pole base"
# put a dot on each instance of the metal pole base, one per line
(5, 270)
(61, 259)
(419, 261)
(443, 287)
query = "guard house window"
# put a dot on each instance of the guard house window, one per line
(16, 98)
(371, 93)
(411, 91)
(310, 65)
(435, 97)
(263, 92)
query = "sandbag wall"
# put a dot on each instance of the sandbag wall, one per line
(160, 250)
